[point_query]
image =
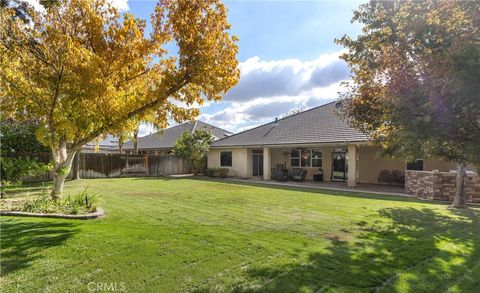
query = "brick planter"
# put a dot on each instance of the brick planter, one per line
(440, 185)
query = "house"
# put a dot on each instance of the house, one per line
(316, 140)
(108, 145)
(162, 142)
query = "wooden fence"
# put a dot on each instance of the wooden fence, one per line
(111, 165)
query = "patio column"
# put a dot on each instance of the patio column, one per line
(352, 165)
(266, 164)
(327, 164)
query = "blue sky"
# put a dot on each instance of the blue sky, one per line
(288, 58)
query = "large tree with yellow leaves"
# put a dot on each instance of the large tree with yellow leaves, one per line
(81, 70)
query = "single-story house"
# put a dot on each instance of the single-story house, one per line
(107, 145)
(318, 141)
(162, 142)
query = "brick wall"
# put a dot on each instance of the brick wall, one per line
(440, 185)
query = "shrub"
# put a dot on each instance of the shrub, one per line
(84, 202)
(211, 172)
(217, 172)
(14, 169)
(222, 172)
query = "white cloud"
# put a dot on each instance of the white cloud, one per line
(269, 89)
(261, 78)
(121, 5)
(239, 116)
(36, 5)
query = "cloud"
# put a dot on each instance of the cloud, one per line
(332, 73)
(261, 78)
(238, 116)
(121, 5)
(36, 5)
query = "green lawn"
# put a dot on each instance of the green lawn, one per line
(168, 235)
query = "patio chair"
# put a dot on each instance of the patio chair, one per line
(295, 172)
(398, 177)
(279, 175)
(300, 177)
(384, 177)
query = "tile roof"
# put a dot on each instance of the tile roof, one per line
(109, 142)
(317, 125)
(166, 139)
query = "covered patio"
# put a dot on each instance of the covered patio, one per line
(336, 186)
(336, 163)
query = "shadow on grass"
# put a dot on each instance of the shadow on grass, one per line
(404, 249)
(22, 242)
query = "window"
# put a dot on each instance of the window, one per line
(295, 158)
(317, 158)
(415, 165)
(305, 158)
(226, 159)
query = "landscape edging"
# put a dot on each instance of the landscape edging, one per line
(95, 215)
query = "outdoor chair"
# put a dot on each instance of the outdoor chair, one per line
(300, 177)
(279, 175)
(295, 172)
(398, 177)
(385, 177)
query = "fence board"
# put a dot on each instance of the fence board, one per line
(113, 165)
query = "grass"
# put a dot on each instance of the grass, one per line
(169, 235)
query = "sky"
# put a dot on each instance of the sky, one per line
(288, 58)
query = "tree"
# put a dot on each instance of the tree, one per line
(81, 70)
(193, 147)
(292, 112)
(416, 89)
(18, 143)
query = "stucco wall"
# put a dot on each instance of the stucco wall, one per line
(240, 162)
(371, 163)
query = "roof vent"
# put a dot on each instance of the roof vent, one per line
(276, 120)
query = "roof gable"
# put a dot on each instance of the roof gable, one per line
(317, 125)
(166, 139)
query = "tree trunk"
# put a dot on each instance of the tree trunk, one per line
(76, 166)
(120, 146)
(135, 141)
(62, 160)
(459, 201)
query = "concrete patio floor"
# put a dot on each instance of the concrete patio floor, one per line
(337, 186)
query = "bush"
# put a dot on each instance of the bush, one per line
(82, 203)
(222, 172)
(14, 169)
(211, 172)
(217, 172)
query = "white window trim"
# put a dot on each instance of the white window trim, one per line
(299, 158)
(220, 159)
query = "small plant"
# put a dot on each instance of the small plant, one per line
(223, 172)
(211, 172)
(42, 203)
(84, 202)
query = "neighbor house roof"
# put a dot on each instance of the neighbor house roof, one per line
(317, 125)
(166, 139)
(109, 143)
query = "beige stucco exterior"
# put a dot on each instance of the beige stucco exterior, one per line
(367, 162)
(241, 161)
